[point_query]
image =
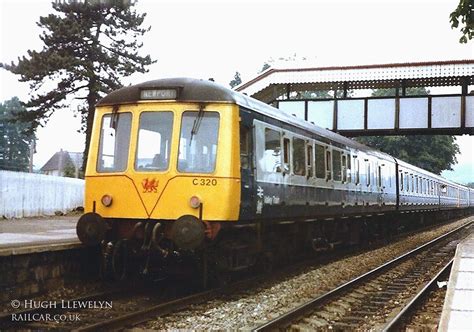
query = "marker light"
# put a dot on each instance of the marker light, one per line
(195, 202)
(106, 200)
(161, 94)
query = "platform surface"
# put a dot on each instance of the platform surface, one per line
(458, 308)
(26, 235)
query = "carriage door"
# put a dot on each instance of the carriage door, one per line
(247, 205)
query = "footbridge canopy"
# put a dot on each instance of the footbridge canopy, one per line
(349, 113)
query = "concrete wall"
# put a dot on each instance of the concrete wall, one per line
(27, 195)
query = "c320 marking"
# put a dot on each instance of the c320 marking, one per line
(205, 182)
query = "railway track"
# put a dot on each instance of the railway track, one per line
(87, 310)
(132, 307)
(423, 311)
(376, 298)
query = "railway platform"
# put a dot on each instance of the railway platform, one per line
(39, 234)
(40, 254)
(458, 308)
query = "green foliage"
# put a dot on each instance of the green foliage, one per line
(236, 81)
(470, 185)
(417, 91)
(14, 137)
(318, 94)
(88, 47)
(434, 153)
(464, 14)
(69, 170)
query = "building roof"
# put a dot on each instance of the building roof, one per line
(62, 158)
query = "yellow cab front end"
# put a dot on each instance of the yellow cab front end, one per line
(162, 170)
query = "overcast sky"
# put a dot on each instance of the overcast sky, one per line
(204, 39)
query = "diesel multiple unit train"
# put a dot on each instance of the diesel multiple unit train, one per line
(182, 166)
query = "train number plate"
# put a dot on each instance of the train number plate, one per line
(205, 182)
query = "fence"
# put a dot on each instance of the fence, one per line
(28, 195)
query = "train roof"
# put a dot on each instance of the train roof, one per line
(204, 91)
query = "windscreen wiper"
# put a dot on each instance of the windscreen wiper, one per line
(197, 122)
(114, 117)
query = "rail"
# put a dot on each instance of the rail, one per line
(284, 320)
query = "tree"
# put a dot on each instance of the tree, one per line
(69, 169)
(236, 81)
(464, 12)
(14, 137)
(88, 47)
(264, 67)
(434, 153)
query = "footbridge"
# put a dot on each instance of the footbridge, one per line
(349, 107)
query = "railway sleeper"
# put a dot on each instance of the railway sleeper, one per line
(314, 322)
(352, 319)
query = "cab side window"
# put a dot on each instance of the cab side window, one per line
(272, 153)
(245, 147)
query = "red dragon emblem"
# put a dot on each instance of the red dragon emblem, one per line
(150, 185)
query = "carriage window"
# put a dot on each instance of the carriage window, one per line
(357, 172)
(401, 180)
(412, 185)
(349, 169)
(379, 176)
(328, 165)
(272, 154)
(198, 142)
(336, 164)
(407, 181)
(320, 168)
(114, 143)
(344, 168)
(286, 155)
(244, 147)
(309, 160)
(390, 176)
(368, 172)
(154, 141)
(298, 156)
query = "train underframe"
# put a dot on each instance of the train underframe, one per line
(149, 247)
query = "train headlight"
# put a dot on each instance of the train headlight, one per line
(106, 200)
(195, 202)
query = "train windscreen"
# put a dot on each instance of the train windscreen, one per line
(198, 142)
(154, 141)
(114, 143)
